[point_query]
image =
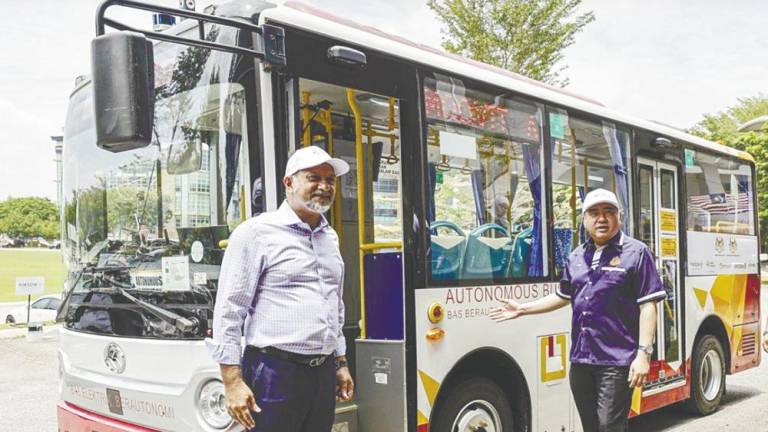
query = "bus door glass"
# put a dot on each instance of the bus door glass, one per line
(659, 229)
(354, 112)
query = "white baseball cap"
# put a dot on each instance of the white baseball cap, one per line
(312, 156)
(599, 196)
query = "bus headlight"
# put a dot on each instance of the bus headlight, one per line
(212, 405)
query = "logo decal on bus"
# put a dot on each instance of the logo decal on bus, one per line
(114, 358)
(552, 357)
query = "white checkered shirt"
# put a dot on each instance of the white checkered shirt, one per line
(281, 283)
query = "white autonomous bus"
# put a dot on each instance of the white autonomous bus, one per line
(466, 188)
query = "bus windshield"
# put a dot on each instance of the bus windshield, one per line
(149, 225)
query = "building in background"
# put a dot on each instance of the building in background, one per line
(58, 145)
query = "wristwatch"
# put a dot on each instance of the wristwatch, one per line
(648, 349)
(341, 363)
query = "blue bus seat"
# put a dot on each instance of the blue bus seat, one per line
(521, 254)
(447, 250)
(487, 257)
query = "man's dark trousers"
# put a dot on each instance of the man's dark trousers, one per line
(602, 396)
(293, 397)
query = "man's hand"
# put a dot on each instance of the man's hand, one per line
(240, 403)
(510, 310)
(345, 388)
(638, 370)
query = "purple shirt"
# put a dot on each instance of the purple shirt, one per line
(606, 300)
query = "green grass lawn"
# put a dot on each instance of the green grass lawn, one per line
(30, 262)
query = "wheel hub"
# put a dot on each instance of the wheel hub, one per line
(711, 375)
(477, 416)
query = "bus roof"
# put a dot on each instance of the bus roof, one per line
(318, 21)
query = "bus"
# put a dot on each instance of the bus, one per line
(465, 188)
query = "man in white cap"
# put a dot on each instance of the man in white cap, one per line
(612, 285)
(281, 288)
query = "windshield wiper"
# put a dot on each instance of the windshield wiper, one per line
(185, 325)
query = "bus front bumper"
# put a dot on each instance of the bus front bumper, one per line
(75, 419)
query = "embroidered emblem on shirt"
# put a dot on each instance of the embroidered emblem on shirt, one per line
(615, 261)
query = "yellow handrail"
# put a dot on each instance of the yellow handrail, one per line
(306, 115)
(367, 247)
(573, 190)
(242, 204)
(360, 200)
(326, 118)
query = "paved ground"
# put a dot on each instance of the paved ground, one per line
(28, 383)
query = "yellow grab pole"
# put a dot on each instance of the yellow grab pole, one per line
(573, 190)
(306, 115)
(360, 200)
(327, 120)
(242, 204)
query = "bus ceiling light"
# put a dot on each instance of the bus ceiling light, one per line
(435, 334)
(347, 57)
(435, 313)
(211, 403)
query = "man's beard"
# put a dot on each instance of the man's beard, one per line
(316, 207)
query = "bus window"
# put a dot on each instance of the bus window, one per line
(719, 194)
(586, 155)
(485, 207)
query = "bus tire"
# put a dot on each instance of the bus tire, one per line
(707, 376)
(474, 405)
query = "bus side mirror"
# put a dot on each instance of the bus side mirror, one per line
(123, 79)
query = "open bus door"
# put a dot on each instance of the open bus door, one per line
(360, 106)
(659, 228)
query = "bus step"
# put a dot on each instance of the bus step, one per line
(346, 418)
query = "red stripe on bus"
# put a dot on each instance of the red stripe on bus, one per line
(75, 419)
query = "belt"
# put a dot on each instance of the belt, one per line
(310, 360)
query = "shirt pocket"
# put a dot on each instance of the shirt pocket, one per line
(614, 276)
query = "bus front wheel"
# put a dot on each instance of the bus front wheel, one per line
(477, 404)
(708, 376)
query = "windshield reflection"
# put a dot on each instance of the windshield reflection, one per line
(152, 220)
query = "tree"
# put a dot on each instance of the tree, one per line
(29, 217)
(721, 127)
(524, 36)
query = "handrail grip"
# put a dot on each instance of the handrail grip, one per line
(367, 247)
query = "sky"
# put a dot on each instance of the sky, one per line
(671, 61)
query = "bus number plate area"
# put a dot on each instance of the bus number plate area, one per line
(114, 401)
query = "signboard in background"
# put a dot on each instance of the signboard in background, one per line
(30, 285)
